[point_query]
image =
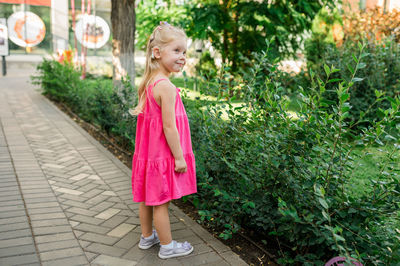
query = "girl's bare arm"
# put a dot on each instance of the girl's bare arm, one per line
(167, 93)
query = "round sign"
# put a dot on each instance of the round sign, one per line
(26, 29)
(92, 31)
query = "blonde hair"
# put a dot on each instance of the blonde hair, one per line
(161, 36)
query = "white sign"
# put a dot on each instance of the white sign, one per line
(92, 31)
(3, 37)
(26, 29)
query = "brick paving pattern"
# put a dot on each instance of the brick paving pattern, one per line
(65, 200)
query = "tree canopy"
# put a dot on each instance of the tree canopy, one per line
(240, 26)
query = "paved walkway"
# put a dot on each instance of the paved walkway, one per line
(65, 200)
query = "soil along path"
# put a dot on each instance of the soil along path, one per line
(66, 200)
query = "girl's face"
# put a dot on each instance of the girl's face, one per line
(172, 56)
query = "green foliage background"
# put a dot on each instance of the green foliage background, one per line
(291, 180)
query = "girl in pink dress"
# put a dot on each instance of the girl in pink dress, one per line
(163, 166)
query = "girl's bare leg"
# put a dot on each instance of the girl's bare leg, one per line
(162, 224)
(146, 219)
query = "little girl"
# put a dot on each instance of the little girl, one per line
(163, 166)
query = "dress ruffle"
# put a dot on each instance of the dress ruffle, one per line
(156, 181)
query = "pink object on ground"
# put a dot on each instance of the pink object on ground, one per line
(338, 261)
(154, 179)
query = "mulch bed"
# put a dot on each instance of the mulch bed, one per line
(244, 243)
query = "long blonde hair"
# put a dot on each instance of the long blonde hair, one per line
(161, 36)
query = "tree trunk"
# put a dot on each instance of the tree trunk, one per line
(123, 43)
(235, 37)
(225, 39)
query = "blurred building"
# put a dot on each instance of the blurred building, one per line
(355, 5)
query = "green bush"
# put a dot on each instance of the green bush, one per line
(290, 179)
(94, 100)
(379, 69)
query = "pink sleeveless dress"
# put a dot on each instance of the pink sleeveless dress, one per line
(154, 180)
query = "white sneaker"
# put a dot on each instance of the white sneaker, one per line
(179, 249)
(148, 243)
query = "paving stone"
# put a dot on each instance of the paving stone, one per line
(20, 260)
(102, 206)
(78, 204)
(128, 196)
(69, 191)
(54, 237)
(46, 230)
(121, 206)
(12, 208)
(86, 219)
(114, 199)
(78, 233)
(202, 259)
(129, 240)
(59, 185)
(128, 213)
(82, 211)
(37, 195)
(15, 234)
(16, 242)
(42, 205)
(185, 233)
(47, 210)
(10, 193)
(72, 197)
(114, 221)
(153, 259)
(17, 250)
(107, 214)
(98, 238)
(44, 191)
(11, 214)
(13, 226)
(232, 258)
(104, 249)
(108, 260)
(78, 260)
(97, 199)
(92, 228)
(92, 192)
(49, 222)
(73, 223)
(83, 182)
(137, 254)
(61, 179)
(94, 177)
(79, 177)
(10, 198)
(6, 188)
(121, 230)
(218, 263)
(133, 220)
(59, 254)
(178, 226)
(90, 256)
(39, 200)
(108, 193)
(58, 245)
(47, 216)
(172, 262)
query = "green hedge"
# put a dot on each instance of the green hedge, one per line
(93, 99)
(379, 70)
(288, 179)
